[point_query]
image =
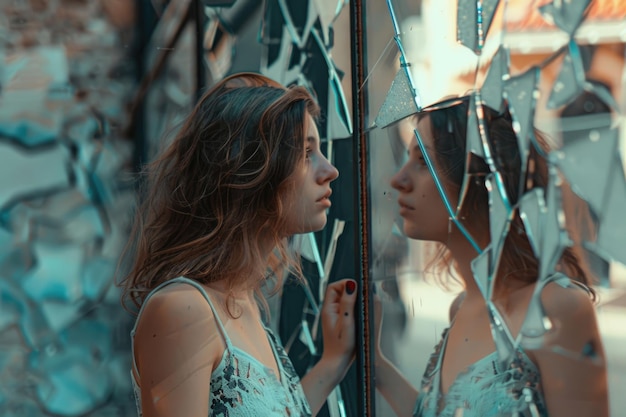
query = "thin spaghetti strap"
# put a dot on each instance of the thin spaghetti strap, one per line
(567, 282)
(200, 288)
(444, 344)
(204, 294)
(134, 329)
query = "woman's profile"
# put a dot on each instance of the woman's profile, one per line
(566, 374)
(244, 173)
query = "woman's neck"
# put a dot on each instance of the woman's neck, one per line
(236, 302)
(463, 254)
(224, 288)
(244, 290)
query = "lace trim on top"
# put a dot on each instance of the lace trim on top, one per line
(482, 390)
(243, 386)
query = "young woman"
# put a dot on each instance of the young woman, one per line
(244, 173)
(566, 375)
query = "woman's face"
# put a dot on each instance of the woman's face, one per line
(421, 207)
(306, 208)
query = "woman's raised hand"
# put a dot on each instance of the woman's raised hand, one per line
(338, 324)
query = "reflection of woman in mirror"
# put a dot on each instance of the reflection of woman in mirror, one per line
(566, 375)
(244, 173)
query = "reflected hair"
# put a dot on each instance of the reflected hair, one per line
(518, 263)
(213, 199)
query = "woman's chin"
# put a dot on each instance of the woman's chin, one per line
(410, 231)
(312, 226)
(415, 233)
(318, 225)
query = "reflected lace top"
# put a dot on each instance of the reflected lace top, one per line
(482, 390)
(243, 386)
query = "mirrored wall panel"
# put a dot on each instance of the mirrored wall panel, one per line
(497, 139)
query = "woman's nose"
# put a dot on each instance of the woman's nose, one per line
(328, 172)
(400, 181)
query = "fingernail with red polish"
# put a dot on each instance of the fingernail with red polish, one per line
(350, 287)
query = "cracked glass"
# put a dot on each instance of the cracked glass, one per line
(497, 172)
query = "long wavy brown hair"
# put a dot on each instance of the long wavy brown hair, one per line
(518, 263)
(212, 202)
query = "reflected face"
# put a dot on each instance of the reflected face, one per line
(306, 207)
(421, 207)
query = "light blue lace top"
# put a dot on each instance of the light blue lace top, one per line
(483, 390)
(242, 386)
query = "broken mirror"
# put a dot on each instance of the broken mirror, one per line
(496, 172)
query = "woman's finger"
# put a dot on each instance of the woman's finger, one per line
(348, 298)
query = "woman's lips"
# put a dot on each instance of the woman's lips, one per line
(325, 199)
(404, 206)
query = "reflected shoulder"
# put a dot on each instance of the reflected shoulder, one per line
(566, 302)
(572, 313)
(455, 305)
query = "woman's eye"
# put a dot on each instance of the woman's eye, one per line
(308, 152)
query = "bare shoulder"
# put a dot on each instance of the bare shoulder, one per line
(569, 302)
(176, 325)
(571, 359)
(176, 305)
(455, 305)
(177, 345)
(573, 315)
